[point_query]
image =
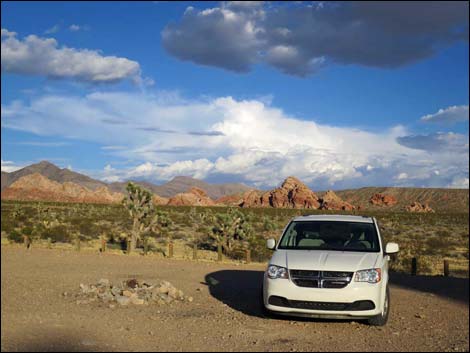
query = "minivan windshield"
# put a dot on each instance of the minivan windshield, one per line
(330, 235)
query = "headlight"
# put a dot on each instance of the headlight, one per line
(277, 272)
(374, 275)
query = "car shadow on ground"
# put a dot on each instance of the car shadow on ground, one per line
(241, 290)
(452, 288)
(238, 289)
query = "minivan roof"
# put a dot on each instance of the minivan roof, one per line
(335, 218)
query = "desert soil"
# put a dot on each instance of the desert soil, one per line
(427, 313)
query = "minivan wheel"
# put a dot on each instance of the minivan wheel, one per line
(382, 318)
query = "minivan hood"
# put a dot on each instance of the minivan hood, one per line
(324, 260)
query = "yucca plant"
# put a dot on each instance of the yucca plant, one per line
(231, 231)
(145, 218)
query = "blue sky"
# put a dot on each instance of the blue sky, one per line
(340, 97)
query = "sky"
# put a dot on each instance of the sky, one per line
(340, 95)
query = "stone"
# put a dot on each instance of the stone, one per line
(103, 282)
(84, 288)
(127, 293)
(193, 197)
(291, 194)
(136, 301)
(383, 200)
(122, 300)
(115, 291)
(173, 293)
(164, 287)
(419, 208)
(331, 201)
(132, 283)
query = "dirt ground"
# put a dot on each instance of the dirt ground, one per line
(427, 313)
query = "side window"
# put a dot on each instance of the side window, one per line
(289, 236)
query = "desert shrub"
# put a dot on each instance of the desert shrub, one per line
(435, 244)
(179, 235)
(15, 236)
(58, 234)
(268, 224)
(27, 230)
(259, 251)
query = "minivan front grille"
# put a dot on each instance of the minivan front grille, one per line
(328, 306)
(320, 279)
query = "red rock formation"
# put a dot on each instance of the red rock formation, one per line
(291, 194)
(419, 207)
(331, 201)
(37, 187)
(194, 197)
(230, 200)
(252, 199)
(159, 201)
(383, 200)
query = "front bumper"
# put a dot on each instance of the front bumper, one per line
(347, 302)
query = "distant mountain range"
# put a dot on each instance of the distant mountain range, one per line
(51, 172)
(181, 184)
(175, 186)
(45, 181)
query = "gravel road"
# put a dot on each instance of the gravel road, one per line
(427, 313)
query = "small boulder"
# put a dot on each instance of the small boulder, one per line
(132, 283)
(127, 293)
(122, 300)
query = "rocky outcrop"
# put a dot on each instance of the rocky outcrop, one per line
(383, 200)
(419, 207)
(253, 199)
(194, 197)
(159, 201)
(35, 186)
(230, 200)
(331, 201)
(291, 194)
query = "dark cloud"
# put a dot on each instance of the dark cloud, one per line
(206, 133)
(299, 39)
(438, 142)
(114, 121)
(157, 129)
(193, 133)
(215, 37)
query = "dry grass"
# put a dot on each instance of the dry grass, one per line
(430, 238)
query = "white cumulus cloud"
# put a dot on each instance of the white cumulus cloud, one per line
(450, 115)
(9, 166)
(34, 55)
(252, 141)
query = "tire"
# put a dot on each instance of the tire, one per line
(382, 318)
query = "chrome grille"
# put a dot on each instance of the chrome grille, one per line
(320, 279)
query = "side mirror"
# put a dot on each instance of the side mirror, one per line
(271, 244)
(391, 248)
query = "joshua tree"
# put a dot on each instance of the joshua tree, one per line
(231, 230)
(144, 217)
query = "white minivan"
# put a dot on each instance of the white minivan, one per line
(331, 266)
